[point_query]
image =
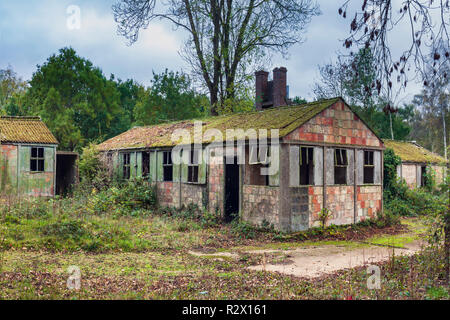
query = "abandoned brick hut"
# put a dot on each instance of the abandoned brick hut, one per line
(328, 157)
(416, 160)
(27, 157)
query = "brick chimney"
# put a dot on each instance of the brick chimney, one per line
(271, 93)
(279, 87)
(261, 88)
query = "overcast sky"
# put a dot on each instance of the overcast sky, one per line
(32, 30)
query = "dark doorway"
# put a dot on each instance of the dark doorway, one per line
(423, 173)
(231, 190)
(66, 171)
(145, 164)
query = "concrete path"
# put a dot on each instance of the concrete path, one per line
(312, 262)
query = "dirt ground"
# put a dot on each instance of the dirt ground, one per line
(316, 260)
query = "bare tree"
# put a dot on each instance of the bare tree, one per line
(225, 36)
(428, 22)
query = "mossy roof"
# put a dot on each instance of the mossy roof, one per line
(286, 119)
(25, 130)
(412, 152)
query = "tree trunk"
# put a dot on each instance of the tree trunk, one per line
(390, 123)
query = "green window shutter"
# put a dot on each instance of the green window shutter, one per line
(49, 159)
(184, 164)
(25, 155)
(274, 179)
(115, 163)
(176, 172)
(120, 168)
(159, 166)
(138, 164)
(202, 168)
(153, 166)
(318, 166)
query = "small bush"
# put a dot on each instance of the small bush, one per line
(72, 229)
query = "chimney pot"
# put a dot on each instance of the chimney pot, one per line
(261, 87)
(279, 87)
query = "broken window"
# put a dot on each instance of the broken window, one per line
(126, 165)
(167, 166)
(306, 166)
(369, 167)
(145, 164)
(193, 166)
(340, 166)
(37, 160)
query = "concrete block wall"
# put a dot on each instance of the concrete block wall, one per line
(260, 203)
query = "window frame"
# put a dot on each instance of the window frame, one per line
(193, 166)
(369, 164)
(167, 164)
(341, 164)
(37, 159)
(126, 165)
(309, 161)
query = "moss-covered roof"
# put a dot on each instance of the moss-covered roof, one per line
(25, 130)
(412, 152)
(286, 119)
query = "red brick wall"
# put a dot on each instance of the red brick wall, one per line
(368, 202)
(167, 194)
(340, 202)
(336, 125)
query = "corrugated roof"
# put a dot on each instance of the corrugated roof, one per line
(412, 152)
(25, 130)
(286, 119)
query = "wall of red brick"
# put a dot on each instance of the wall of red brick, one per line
(369, 202)
(340, 202)
(167, 194)
(336, 125)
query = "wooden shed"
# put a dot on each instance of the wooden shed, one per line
(27, 157)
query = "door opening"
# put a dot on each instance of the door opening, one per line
(231, 190)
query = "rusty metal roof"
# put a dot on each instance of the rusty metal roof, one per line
(25, 130)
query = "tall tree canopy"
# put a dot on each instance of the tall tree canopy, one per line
(170, 97)
(12, 93)
(225, 36)
(74, 99)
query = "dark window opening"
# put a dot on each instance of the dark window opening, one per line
(369, 167)
(423, 173)
(340, 166)
(37, 160)
(126, 165)
(306, 166)
(193, 166)
(145, 164)
(167, 166)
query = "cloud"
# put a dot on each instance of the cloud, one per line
(31, 31)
